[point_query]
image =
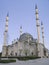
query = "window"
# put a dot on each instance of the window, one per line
(16, 42)
(11, 53)
(32, 53)
(16, 54)
(26, 53)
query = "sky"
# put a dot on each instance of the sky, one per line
(22, 13)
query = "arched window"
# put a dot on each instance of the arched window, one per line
(16, 54)
(26, 53)
(32, 53)
(11, 53)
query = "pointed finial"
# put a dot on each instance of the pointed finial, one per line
(7, 17)
(20, 27)
(7, 14)
(36, 6)
(41, 23)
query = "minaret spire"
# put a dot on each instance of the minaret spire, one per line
(6, 30)
(42, 28)
(37, 23)
(20, 30)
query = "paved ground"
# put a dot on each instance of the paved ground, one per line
(42, 61)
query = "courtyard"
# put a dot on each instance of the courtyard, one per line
(41, 61)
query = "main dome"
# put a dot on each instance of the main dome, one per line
(25, 37)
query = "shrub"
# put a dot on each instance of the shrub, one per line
(23, 58)
(27, 58)
(7, 61)
(0, 54)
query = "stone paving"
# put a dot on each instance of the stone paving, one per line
(42, 61)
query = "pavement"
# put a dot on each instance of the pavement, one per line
(42, 61)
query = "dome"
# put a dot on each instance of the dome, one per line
(25, 37)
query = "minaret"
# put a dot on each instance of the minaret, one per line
(20, 30)
(42, 28)
(5, 47)
(37, 23)
(38, 33)
(6, 31)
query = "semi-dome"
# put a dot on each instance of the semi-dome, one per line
(25, 37)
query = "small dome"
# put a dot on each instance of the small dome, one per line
(25, 37)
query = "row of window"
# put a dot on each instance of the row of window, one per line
(11, 54)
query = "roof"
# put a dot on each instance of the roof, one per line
(26, 36)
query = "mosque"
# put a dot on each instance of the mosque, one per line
(26, 45)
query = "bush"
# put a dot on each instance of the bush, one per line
(27, 58)
(7, 61)
(0, 54)
(23, 58)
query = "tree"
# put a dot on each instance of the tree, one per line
(0, 54)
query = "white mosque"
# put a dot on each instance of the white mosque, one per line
(26, 45)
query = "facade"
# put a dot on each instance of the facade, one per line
(26, 45)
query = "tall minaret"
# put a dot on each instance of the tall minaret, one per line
(20, 30)
(6, 31)
(42, 28)
(37, 23)
(5, 48)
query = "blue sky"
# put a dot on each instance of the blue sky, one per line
(22, 13)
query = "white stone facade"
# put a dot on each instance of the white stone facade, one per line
(23, 47)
